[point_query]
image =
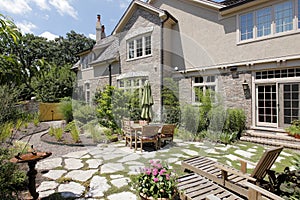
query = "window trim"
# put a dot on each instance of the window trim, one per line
(143, 47)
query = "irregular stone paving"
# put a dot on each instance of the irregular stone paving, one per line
(92, 173)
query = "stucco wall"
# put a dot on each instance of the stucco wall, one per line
(206, 39)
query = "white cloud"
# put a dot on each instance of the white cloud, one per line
(48, 35)
(123, 5)
(15, 6)
(42, 4)
(92, 36)
(63, 7)
(26, 27)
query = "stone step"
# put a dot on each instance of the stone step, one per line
(273, 141)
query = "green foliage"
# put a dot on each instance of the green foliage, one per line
(296, 161)
(75, 133)
(134, 107)
(55, 84)
(228, 137)
(190, 117)
(65, 108)
(12, 179)
(171, 109)
(56, 132)
(83, 113)
(285, 184)
(235, 121)
(6, 131)
(217, 117)
(8, 109)
(112, 105)
(156, 181)
(204, 108)
(294, 128)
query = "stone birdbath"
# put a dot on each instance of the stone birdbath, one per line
(31, 158)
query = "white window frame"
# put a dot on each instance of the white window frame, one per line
(204, 84)
(135, 43)
(131, 87)
(295, 22)
(87, 87)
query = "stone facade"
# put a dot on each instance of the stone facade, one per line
(143, 22)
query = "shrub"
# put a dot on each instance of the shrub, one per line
(217, 117)
(83, 113)
(65, 108)
(190, 118)
(228, 138)
(6, 131)
(12, 179)
(171, 110)
(235, 121)
(75, 134)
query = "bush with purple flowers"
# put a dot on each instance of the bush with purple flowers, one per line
(156, 181)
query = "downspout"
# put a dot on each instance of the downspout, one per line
(162, 62)
(109, 73)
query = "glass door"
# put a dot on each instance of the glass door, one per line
(266, 105)
(289, 94)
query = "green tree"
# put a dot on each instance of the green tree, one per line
(54, 84)
(170, 94)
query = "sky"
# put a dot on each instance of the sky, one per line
(53, 18)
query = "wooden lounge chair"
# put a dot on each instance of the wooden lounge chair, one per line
(149, 134)
(230, 178)
(167, 133)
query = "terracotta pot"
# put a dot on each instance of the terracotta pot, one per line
(297, 136)
(144, 197)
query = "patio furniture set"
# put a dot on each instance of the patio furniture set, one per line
(143, 132)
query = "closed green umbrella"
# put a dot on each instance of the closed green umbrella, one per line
(147, 102)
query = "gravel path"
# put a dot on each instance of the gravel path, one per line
(57, 150)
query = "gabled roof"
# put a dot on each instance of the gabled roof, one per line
(130, 10)
(111, 51)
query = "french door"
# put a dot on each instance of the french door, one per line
(277, 104)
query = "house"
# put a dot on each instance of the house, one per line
(248, 51)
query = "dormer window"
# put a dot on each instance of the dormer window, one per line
(139, 47)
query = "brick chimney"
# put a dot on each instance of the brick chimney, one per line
(98, 29)
(103, 35)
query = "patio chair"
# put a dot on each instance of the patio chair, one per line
(166, 133)
(229, 177)
(128, 131)
(149, 134)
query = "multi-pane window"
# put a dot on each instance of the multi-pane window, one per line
(264, 21)
(269, 21)
(202, 85)
(280, 73)
(148, 45)
(246, 26)
(139, 47)
(131, 49)
(284, 16)
(131, 84)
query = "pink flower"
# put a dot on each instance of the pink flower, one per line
(155, 179)
(159, 166)
(155, 172)
(162, 171)
(168, 176)
(148, 171)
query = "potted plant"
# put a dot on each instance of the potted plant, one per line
(155, 182)
(294, 129)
